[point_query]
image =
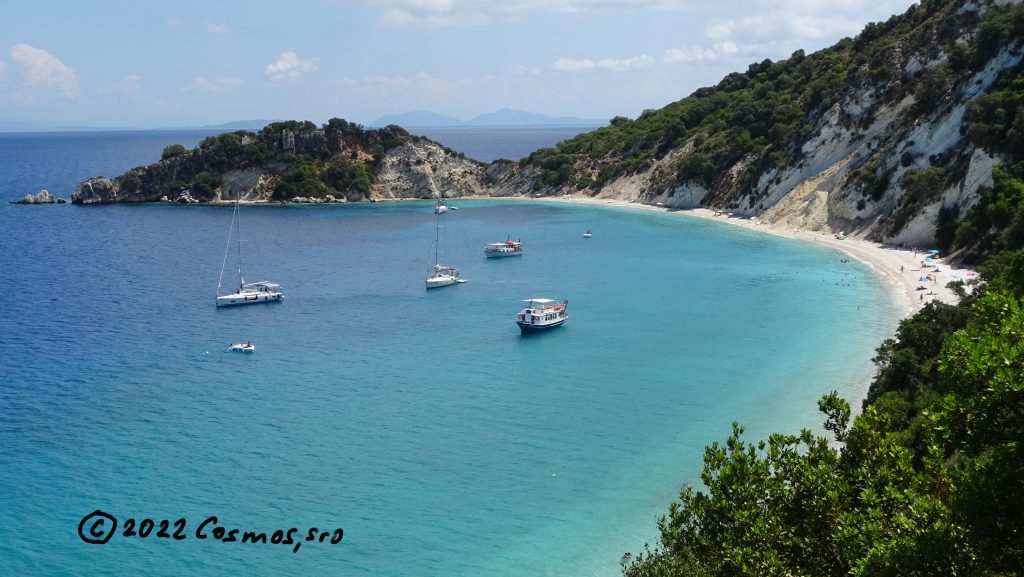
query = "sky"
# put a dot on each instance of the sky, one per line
(146, 64)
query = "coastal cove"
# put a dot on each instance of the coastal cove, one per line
(715, 300)
(421, 423)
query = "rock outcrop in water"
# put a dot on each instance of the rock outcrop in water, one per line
(42, 197)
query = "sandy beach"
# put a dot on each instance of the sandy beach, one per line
(899, 268)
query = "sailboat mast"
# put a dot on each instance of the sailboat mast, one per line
(241, 279)
(227, 249)
(437, 246)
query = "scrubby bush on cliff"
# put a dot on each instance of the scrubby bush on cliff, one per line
(173, 151)
(343, 175)
(204, 184)
(997, 118)
(232, 150)
(302, 178)
(996, 223)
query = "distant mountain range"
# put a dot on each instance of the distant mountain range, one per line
(255, 125)
(502, 117)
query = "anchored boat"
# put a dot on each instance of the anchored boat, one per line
(541, 314)
(502, 249)
(246, 293)
(441, 275)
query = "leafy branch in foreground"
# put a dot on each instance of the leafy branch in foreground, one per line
(948, 500)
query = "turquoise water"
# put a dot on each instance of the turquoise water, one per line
(422, 424)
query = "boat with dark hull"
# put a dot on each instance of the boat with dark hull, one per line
(541, 314)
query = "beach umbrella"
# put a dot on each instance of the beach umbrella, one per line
(922, 279)
(933, 251)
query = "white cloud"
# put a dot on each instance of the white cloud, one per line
(609, 64)
(720, 29)
(525, 71)
(214, 27)
(218, 84)
(784, 26)
(624, 64)
(402, 17)
(172, 22)
(3, 66)
(574, 64)
(699, 53)
(44, 71)
(796, 22)
(451, 13)
(289, 67)
(127, 85)
(421, 85)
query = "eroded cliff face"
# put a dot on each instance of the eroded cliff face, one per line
(425, 169)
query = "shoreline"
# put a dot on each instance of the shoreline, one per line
(899, 268)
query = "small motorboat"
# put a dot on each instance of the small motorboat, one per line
(246, 347)
(588, 234)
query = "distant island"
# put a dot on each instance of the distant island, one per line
(501, 117)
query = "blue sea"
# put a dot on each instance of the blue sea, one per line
(489, 143)
(417, 429)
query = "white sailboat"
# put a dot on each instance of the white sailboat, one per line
(440, 206)
(246, 293)
(441, 275)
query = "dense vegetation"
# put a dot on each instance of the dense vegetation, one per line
(337, 159)
(753, 122)
(928, 480)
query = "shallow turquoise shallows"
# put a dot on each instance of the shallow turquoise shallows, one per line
(421, 423)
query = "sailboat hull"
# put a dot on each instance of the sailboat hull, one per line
(248, 298)
(441, 280)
